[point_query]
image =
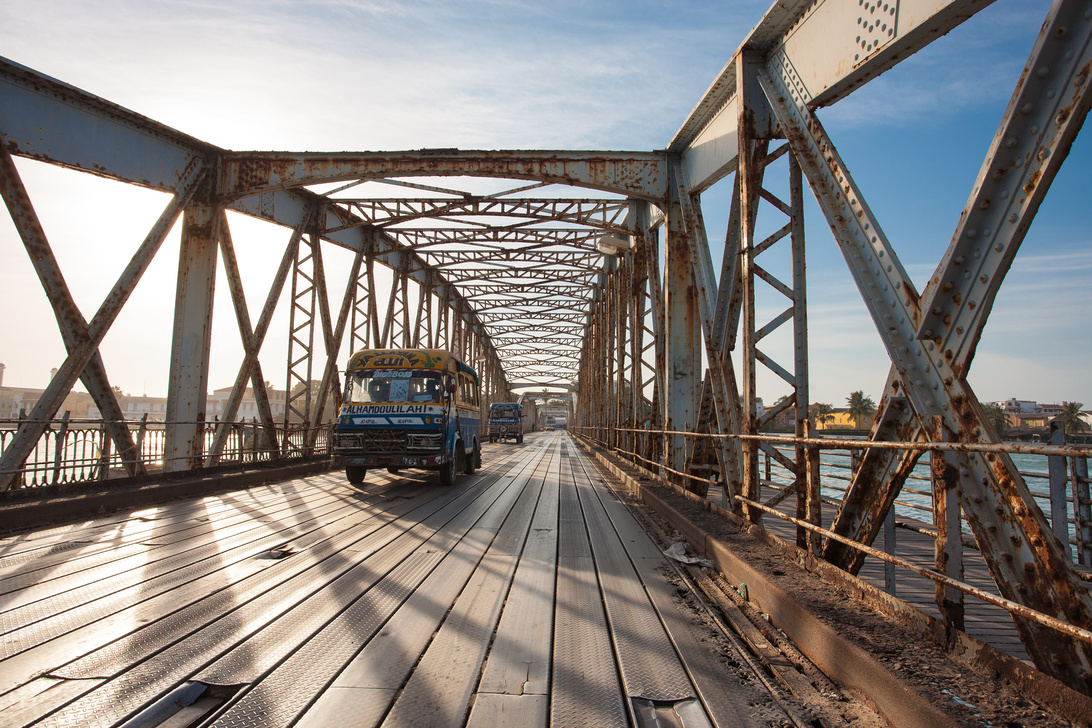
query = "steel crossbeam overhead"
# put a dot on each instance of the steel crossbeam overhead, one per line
(502, 332)
(631, 174)
(479, 282)
(478, 241)
(606, 214)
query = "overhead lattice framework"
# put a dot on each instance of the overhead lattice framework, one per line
(528, 266)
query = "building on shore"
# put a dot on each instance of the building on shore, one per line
(18, 402)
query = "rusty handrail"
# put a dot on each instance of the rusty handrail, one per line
(1009, 606)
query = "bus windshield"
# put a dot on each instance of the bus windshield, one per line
(504, 410)
(393, 385)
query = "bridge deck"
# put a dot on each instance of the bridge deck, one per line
(524, 595)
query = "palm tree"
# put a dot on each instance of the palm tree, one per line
(996, 417)
(860, 406)
(822, 413)
(1071, 418)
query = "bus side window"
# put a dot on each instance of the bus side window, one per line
(468, 394)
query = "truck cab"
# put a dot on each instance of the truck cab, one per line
(408, 408)
(506, 422)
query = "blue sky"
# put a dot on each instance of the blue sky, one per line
(364, 75)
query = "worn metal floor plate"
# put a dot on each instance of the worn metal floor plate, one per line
(525, 595)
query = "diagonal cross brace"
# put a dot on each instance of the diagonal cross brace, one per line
(1034, 136)
(1037, 130)
(79, 356)
(252, 338)
(71, 322)
(1025, 559)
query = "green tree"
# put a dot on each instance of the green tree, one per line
(996, 417)
(860, 406)
(1071, 418)
(822, 413)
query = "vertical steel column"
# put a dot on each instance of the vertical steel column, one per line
(683, 338)
(301, 341)
(420, 317)
(812, 487)
(638, 315)
(808, 502)
(363, 303)
(622, 304)
(1059, 507)
(654, 450)
(947, 494)
(608, 318)
(1082, 510)
(192, 339)
(396, 306)
(749, 175)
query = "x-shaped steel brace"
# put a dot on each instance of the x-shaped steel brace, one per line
(931, 345)
(83, 339)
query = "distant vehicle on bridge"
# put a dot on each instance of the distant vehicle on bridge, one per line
(506, 422)
(408, 408)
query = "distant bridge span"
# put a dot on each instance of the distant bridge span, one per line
(628, 337)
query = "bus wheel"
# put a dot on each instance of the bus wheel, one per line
(393, 469)
(519, 439)
(469, 460)
(355, 474)
(447, 474)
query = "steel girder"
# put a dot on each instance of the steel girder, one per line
(69, 318)
(832, 47)
(631, 174)
(495, 242)
(92, 335)
(1027, 561)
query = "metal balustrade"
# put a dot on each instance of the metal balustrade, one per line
(78, 451)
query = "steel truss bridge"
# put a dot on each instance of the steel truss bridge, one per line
(588, 274)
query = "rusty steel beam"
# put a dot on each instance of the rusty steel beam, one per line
(191, 342)
(878, 479)
(683, 334)
(50, 121)
(832, 47)
(26, 439)
(332, 336)
(496, 239)
(725, 397)
(634, 174)
(1046, 111)
(252, 339)
(608, 215)
(69, 319)
(1025, 559)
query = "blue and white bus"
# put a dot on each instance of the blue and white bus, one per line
(408, 408)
